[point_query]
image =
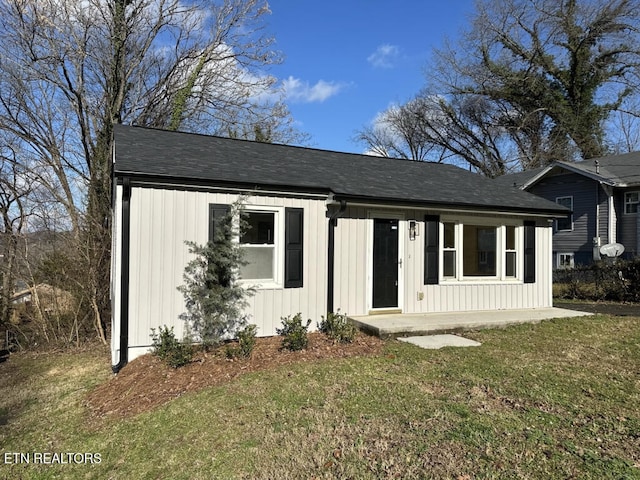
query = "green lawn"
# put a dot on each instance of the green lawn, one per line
(560, 399)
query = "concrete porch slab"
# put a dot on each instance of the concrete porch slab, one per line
(434, 342)
(395, 325)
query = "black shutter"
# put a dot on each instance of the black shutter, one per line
(431, 249)
(293, 236)
(529, 252)
(216, 212)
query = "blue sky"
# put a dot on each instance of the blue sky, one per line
(346, 61)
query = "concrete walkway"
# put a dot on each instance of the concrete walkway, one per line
(396, 325)
(434, 342)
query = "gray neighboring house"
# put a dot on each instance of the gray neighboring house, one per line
(603, 193)
(330, 231)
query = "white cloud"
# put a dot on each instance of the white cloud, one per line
(297, 90)
(384, 56)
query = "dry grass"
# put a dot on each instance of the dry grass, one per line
(560, 399)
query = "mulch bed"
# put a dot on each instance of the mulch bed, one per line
(146, 382)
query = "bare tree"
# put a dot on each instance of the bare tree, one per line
(14, 188)
(624, 127)
(72, 68)
(532, 81)
(399, 132)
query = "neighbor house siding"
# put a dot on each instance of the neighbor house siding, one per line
(161, 222)
(603, 214)
(584, 191)
(628, 224)
(353, 271)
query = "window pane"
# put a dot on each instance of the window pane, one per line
(631, 200)
(479, 251)
(260, 266)
(449, 264)
(565, 202)
(259, 228)
(510, 270)
(566, 260)
(511, 237)
(449, 235)
(565, 223)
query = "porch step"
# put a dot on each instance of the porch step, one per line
(400, 325)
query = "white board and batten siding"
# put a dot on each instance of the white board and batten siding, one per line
(353, 257)
(163, 219)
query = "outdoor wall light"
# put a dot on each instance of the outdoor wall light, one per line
(413, 230)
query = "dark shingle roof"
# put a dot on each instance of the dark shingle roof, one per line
(615, 170)
(143, 152)
(618, 170)
(518, 179)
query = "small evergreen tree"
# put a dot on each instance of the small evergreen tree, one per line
(213, 296)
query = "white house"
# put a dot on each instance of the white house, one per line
(331, 230)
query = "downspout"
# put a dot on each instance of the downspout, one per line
(611, 220)
(333, 223)
(596, 239)
(124, 276)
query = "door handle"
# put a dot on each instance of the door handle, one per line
(400, 263)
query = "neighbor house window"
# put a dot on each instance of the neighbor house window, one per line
(565, 260)
(565, 223)
(449, 250)
(631, 201)
(479, 251)
(258, 244)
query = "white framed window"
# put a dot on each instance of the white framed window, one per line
(631, 202)
(474, 249)
(566, 223)
(449, 250)
(510, 252)
(565, 260)
(261, 242)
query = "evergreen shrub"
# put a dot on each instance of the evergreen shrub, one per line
(169, 349)
(294, 332)
(338, 327)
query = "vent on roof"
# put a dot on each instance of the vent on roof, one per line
(597, 166)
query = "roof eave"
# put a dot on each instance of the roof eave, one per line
(148, 179)
(435, 205)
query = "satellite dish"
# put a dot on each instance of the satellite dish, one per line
(612, 249)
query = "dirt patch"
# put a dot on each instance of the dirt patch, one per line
(146, 382)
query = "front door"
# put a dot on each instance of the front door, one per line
(385, 263)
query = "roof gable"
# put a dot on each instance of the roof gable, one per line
(614, 170)
(150, 153)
